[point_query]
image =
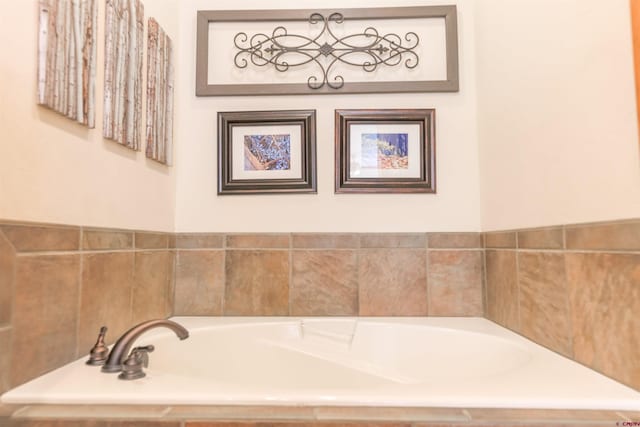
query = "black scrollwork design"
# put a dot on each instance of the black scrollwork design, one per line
(367, 50)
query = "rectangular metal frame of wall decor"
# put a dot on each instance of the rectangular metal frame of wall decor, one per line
(262, 152)
(385, 151)
(315, 86)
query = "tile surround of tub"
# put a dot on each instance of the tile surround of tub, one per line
(455, 283)
(572, 288)
(256, 283)
(55, 278)
(393, 282)
(324, 283)
(45, 302)
(604, 293)
(7, 279)
(501, 271)
(5, 358)
(319, 274)
(543, 301)
(199, 283)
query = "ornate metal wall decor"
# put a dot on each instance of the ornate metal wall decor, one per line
(367, 50)
(330, 53)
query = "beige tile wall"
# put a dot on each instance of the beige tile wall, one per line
(59, 284)
(574, 289)
(329, 274)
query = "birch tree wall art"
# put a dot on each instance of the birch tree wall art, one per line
(67, 58)
(124, 31)
(159, 94)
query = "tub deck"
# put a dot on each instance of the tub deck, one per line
(297, 416)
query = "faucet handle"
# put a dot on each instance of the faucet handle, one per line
(142, 354)
(99, 353)
(132, 367)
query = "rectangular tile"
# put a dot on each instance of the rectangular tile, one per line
(407, 414)
(393, 240)
(240, 412)
(258, 241)
(454, 240)
(324, 283)
(94, 239)
(604, 293)
(325, 241)
(500, 240)
(618, 236)
(46, 422)
(45, 320)
(107, 285)
(151, 285)
(393, 282)
(199, 241)
(542, 416)
(257, 283)
(542, 238)
(544, 308)
(37, 422)
(7, 276)
(92, 412)
(502, 288)
(171, 291)
(455, 283)
(293, 424)
(146, 240)
(32, 238)
(199, 287)
(5, 359)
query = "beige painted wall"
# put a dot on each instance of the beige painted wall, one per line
(554, 117)
(54, 170)
(556, 112)
(456, 206)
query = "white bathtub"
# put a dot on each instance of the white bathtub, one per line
(427, 362)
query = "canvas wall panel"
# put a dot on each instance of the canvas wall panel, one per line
(159, 94)
(67, 58)
(123, 72)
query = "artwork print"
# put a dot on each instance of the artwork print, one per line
(385, 151)
(67, 40)
(122, 115)
(160, 79)
(267, 152)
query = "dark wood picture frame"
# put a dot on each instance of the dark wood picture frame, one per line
(206, 17)
(424, 183)
(228, 122)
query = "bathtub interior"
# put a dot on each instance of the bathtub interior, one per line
(418, 362)
(339, 353)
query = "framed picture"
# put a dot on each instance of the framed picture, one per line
(267, 152)
(385, 151)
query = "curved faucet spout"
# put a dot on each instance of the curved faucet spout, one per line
(124, 343)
